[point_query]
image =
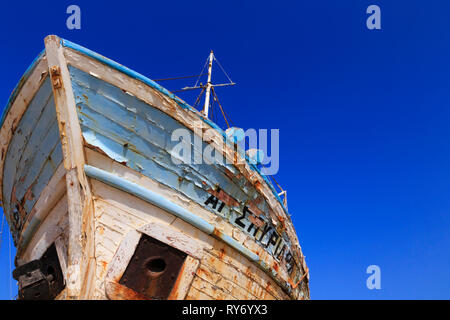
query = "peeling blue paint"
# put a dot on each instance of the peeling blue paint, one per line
(106, 123)
(124, 70)
(30, 166)
(138, 135)
(33, 155)
(180, 102)
(19, 85)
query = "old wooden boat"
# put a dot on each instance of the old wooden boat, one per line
(98, 210)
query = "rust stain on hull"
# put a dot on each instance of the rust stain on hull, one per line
(121, 292)
(224, 197)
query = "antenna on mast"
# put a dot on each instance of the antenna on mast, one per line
(209, 87)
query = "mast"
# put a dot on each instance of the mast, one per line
(208, 86)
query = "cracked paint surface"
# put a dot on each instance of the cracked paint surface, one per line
(32, 158)
(138, 135)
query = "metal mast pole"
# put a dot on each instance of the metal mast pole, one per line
(208, 85)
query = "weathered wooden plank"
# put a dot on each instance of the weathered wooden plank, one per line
(179, 224)
(46, 172)
(103, 252)
(217, 279)
(81, 248)
(110, 235)
(33, 164)
(19, 140)
(107, 216)
(123, 255)
(239, 267)
(61, 250)
(116, 291)
(49, 197)
(195, 294)
(211, 290)
(173, 238)
(98, 160)
(36, 141)
(52, 227)
(26, 94)
(117, 217)
(246, 277)
(185, 278)
(130, 204)
(240, 280)
(205, 240)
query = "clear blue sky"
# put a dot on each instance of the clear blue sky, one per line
(363, 115)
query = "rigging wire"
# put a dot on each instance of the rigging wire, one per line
(202, 71)
(196, 82)
(215, 97)
(281, 189)
(223, 70)
(198, 98)
(223, 112)
(276, 182)
(176, 78)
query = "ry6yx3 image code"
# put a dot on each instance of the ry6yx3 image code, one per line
(227, 309)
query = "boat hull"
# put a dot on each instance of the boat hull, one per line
(88, 167)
